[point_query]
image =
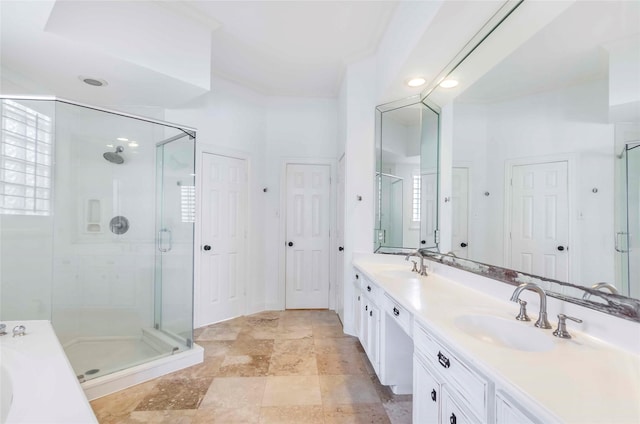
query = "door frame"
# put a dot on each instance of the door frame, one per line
(471, 203)
(282, 230)
(572, 178)
(197, 239)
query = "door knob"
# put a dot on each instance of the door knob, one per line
(290, 243)
(206, 247)
(340, 248)
(463, 244)
(561, 248)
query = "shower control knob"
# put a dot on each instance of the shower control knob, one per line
(206, 247)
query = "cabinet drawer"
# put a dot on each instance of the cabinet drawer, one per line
(452, 413)
(471, 386)
(397, 312)
(369, 289)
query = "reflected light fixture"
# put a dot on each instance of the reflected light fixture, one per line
(133, 143)
(122, 139)
(416, 82)
(448, 83)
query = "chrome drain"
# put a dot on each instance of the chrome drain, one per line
(92, 371)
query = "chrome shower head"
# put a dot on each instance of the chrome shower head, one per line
(114, 157)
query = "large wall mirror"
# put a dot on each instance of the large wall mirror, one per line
(406, 175)
(545, 152)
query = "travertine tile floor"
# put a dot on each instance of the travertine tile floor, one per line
(272, 367)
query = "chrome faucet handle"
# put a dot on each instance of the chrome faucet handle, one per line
(415, 266)
(522, 316)
(561, 331)
(19, 330)
(3, 329)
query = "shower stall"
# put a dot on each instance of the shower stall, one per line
(97, 212)
(628, 217)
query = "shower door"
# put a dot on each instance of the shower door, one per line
(175, 217)
(633, 220)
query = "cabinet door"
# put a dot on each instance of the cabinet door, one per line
(374, 336)
(426, 394)
(508, 413)
(364, 324)
(357, 314)
(452, 413)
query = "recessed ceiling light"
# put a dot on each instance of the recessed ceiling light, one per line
(416, 82)
(448, 83)
(122, 139)
(95, 82)
(133, 143)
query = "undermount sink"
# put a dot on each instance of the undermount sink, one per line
(503, 332)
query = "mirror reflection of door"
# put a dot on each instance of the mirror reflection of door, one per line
(460, 212)
(539, 210)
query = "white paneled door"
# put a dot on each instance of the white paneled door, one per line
(540, 219)
(307, 236)
(223, 238)
(340, 237)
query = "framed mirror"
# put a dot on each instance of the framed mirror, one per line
(407, 134)
(544, 142)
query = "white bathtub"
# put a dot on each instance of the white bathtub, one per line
(37, 383)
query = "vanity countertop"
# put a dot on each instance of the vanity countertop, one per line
(579, 380)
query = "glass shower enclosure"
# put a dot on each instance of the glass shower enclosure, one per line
(97, 212)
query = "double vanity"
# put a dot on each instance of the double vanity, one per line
(467, 359)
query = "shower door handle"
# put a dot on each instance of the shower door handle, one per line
(165, 240)
(618, 244)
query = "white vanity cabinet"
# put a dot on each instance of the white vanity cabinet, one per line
(508, 411)
(458, 392)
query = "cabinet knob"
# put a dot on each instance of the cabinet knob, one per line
(366, 307)
(340, 248)
(357, 276)
(561, 248)
(452, 418)
(434, 395)
(396, 311)
(368, 288)
(206, 247)
(423, 242)
(290, 243)
(463, 244)
(370, 313)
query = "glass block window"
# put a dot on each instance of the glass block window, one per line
(415, 202)
(188, 203)
(26, 160)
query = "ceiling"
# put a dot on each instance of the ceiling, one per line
(164, 53)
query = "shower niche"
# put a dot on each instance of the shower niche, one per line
(83, 201)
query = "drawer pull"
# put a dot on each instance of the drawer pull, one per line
(369, 288)
(433, 395)
(444, 361)
(396, 311)
(366, 307)
(452, 418)
(370, 313)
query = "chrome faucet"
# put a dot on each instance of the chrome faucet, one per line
(542, 321)
(3, 329)
(599, 286)
(423, 267)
